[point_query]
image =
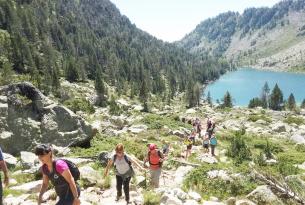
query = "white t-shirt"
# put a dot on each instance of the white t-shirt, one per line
(121, 165)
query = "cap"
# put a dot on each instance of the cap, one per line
(152, 146)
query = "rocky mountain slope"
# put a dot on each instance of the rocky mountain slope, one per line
(262, 37)
(274, 139)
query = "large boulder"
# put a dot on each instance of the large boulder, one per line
(299, 139)
(263, 195)
(28, 118)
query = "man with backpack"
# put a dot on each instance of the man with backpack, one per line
(155, 159)
(62, 173)
(3, 167)
(210, 127)
(123, 171)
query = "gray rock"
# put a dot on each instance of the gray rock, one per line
(31, 187)
(180, 194)
(89, 175)
(190, 202)
(137, 128)
(103, 157)
(278, 127)
(298, 139)
(221, 174)
(208, 159)
(28, 159)
(245, 202)
(180, 173)
(263, 195)
(10, 160)
(195, 196)
(212, 203)
(231, 201)
(32, 118)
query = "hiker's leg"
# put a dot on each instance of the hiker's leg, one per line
(1, 192)
(158, 174)
(119, 182)
(68, 198)
(126, 188)
(213, 150)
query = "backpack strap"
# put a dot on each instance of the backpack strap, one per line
(125, 157)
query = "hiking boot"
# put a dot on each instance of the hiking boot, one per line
(117, 198)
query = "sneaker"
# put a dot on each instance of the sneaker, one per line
(117, 198)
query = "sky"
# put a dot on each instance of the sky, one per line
(171, 20)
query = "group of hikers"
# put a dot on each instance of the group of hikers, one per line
(64, 174)
(208, 139)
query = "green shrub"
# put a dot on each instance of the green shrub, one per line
(287, 169)
(79, 104)
(295, 120)
(255, 117)
(198, 180)
(151, 198)
(154, 121)
(238, 149)
(300, 148)
(107, 182)
(260, 159)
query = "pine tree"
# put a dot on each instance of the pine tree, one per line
(6, 74)
(291, 102)
(72, 74)
(265, 95)
(303, 104)
(100, 90)
(197, 93)
(144, 94)
(276, 98)
(209, 99)
(227, 100)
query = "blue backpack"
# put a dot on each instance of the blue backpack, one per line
(213, 141)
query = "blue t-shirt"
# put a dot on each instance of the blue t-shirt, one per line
(1, 155)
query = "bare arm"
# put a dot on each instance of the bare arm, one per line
(69, 178)
(5, 171)
(45, 183)
(110, 162)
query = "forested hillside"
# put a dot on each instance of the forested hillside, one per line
(85, 39)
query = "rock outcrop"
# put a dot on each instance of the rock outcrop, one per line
(28, 117)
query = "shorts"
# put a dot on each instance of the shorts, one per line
(189, 147)
(68, 198)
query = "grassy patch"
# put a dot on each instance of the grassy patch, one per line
(154, 121)
(198, 180)
(151, 198)
(294, 120)
(256, 117)
(79, 104)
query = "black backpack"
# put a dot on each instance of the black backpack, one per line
(60, 184)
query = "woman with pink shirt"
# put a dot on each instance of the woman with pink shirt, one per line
(58, 172)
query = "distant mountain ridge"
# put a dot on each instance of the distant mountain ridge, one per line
(263, 37)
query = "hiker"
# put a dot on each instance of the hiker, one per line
(213, 143)
(124, 171)
(198, 126)
(205, 143)
(3, 167)
(190, 140)
(62, 173)
(155, 158)
(165, 148)
(210, 127)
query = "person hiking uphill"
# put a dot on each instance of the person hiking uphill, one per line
(198, 126)
(3, 167)
(124, 171)
(210, 127)
(62, 173)
(189, 141)
(155, 158)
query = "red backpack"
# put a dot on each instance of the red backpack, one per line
(159, 156)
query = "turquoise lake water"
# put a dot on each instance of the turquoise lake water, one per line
(246, 83)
